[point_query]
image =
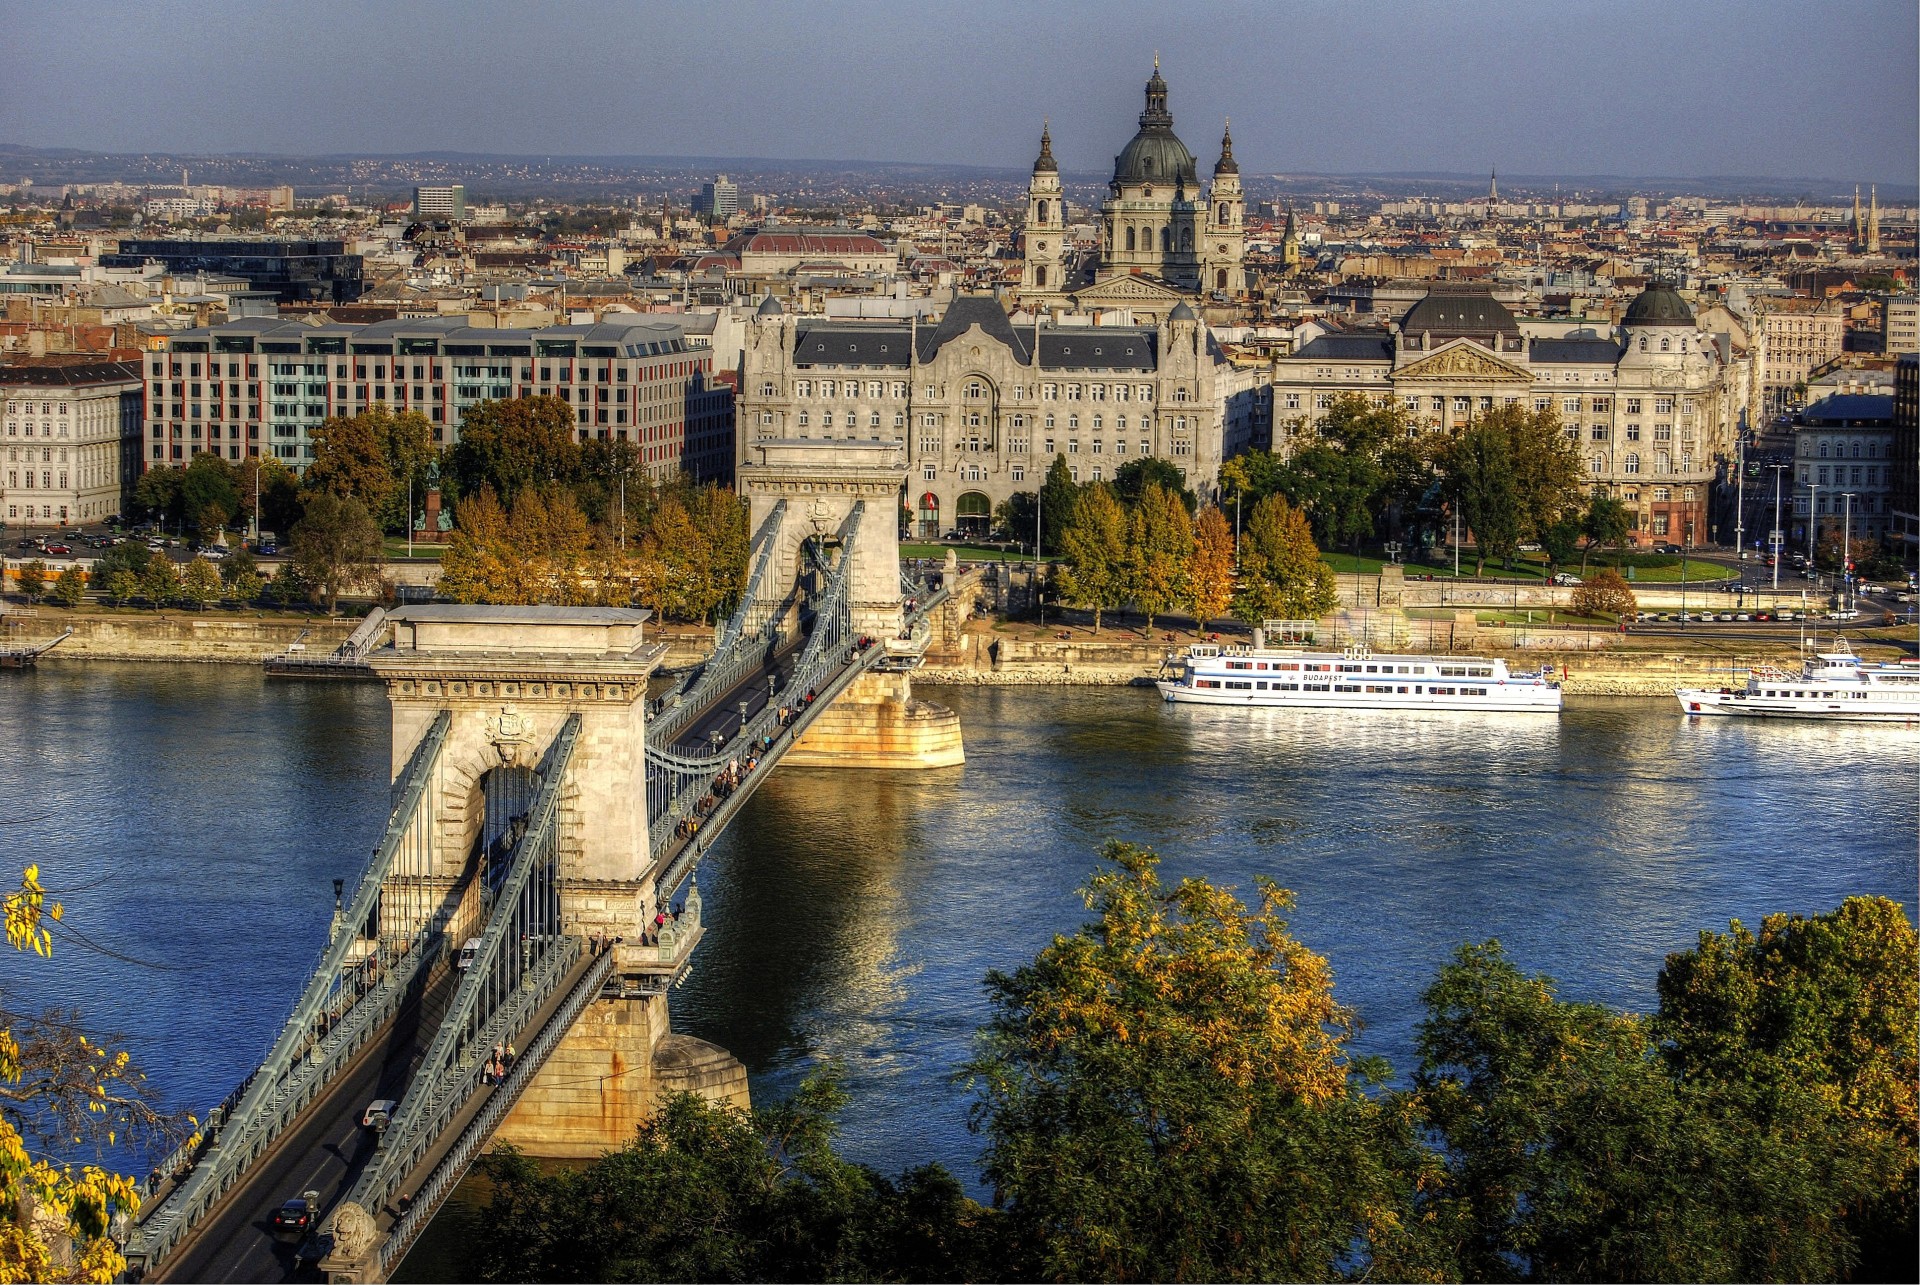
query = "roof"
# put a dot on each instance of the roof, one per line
(812, 244)
(1598, 352)
(852, 344)
(1658, 305)
(1448, 311)
(1097, 348)
(963, 314)
(70, 374)
(510, 615)
(1843, 410)
(1155, 154)
(1359, 345)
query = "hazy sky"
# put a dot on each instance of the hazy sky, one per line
(1818, 88)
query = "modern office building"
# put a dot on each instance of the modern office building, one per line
(446, 204)
(72, 440)
(260, 386)
(295, 271)
(719, 199)
(1843, 460)
(1900, 324)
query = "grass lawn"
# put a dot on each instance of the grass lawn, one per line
(397, 548)
(965, 552)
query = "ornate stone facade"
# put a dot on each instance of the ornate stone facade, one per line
(1653, 406)
(980, 408)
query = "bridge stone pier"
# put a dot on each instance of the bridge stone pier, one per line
(510, 677)
(876, 723)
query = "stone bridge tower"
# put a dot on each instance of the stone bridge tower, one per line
(509, 677)
(877, 722)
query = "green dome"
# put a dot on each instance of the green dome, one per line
(1659, 305)
(1156, 154)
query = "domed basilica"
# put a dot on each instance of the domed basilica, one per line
(1162, 237)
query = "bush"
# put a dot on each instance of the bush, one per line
(1605, 593)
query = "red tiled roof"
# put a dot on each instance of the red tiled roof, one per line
(814, 244)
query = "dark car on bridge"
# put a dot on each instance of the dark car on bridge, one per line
(297, 1214)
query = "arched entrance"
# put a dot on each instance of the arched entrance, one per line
(929, 516)
(509, 793)
(973, 514)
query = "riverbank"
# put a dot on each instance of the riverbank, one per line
(228, 638)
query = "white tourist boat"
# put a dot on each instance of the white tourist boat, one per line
(1356, 678)
(1835, 686)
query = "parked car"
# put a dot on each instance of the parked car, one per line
(58, 548)
(1667, 548)
(1566, 578)
(298, 1214)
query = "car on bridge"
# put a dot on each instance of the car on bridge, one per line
(378, 1115)
(298, 1214)
(468, 953)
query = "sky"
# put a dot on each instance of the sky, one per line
(1638, 88)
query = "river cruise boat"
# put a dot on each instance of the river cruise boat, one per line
(1835, 685)
(1355, 678)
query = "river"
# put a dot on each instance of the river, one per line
(193, 818)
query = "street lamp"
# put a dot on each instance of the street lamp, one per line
(1846, 554)
(1685, 549)
(1813, 521)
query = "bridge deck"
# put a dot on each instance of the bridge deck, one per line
(324, 1152)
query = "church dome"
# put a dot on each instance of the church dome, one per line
(1156, 154)
(1659, 305)
(1045, 164)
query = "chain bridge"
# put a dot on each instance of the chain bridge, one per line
(501, 966)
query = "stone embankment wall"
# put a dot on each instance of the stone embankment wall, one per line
(1395, 588)
(180, 636)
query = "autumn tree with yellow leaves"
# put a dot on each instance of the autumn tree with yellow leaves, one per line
(61, 1089)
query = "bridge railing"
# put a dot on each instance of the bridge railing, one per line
(433, 1192)
(739, 648)
(523, 954)
(358, 983)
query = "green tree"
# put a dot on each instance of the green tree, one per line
(1131, 480)
(1094, 545)
(199, 584)
(1561, 539)
(349, 458)
(1823, 1005)
(69, 587)
(1480, 483)
(509, 445)
(1058, 495)
(336, 547)
(1168, 1094)
(1337, 476)
(130, 556)
(1160, 551)
(1247, 479)
(708, 1192)
(1281, 574)
(1548, 474)
(1572, 1149)
(1210, 578)
(122, 585)
(1015, 516)
(279, 492)
(209, 493)
(31, 576)
(159, 582)
(1606, 523)
(157, 494)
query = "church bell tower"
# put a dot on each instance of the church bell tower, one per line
(1224, 242)
(1043, 246)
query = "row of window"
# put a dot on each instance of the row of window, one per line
(1845, 476)
(46, 408)
(1840, 449)
(972, 390)
(1662, 463)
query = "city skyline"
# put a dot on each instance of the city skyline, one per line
(1639, 90)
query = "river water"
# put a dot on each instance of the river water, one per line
(193, 818)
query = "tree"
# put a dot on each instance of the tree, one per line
(1058, 494)
(1607, 522)
(122, 585)
(1826, 1005)
(509, 445)
(1094, 545)
(336, 547)
(1168, 1092)
(1548, 474)
(62, 1091)
(279, 492)
(1210, 578)
(1561, 539)
(708, 1192)
(159, 582)
(1512, 473)
(70, 587)
(31, 576)
(1281, 574)
(374, 457)
(199, 584)
(1605, 593)
(1015, 515)
(130, 556)
(1336, 476)
(1160, 548)
(1131, 480)
(1573, 1148)
(209, 492)
(1247, 479)
(157, 493)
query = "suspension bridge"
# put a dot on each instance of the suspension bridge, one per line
(501, 966)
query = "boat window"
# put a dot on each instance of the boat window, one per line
(1403, 691)
(1374, 669)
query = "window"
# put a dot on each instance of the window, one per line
(1633, 405)
(1663, 405)
(927, 472)
(1542, 403)
(1633, 432)
(1019, 473)
(1632, 463)
(1599, 432)
(1663, 432)
(1570, 405)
